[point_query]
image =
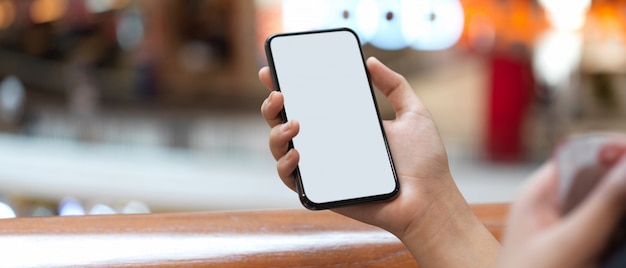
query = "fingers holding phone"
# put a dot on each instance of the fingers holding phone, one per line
(271, 108)
(572, 215)
(345, 155)
(593, 190)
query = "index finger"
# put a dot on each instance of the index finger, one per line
(270, 109)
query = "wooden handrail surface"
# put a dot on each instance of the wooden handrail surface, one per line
(274, 238)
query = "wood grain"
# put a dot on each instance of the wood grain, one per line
(285, 238)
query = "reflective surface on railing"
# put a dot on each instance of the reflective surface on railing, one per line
(270, 238)
(138, 249)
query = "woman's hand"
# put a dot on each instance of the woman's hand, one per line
(429, 214)
(538, 235)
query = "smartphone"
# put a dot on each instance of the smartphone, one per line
(579, 168)
(579, 172)
(344, 154)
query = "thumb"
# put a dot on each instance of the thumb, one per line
(395, 87)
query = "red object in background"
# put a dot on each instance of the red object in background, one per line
(511, 85)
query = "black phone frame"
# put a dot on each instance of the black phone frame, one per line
(306, 202)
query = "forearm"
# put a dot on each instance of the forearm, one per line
(451, 236)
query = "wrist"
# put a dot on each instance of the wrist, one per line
(450, 235)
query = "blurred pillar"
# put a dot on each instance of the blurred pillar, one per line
(511, 83)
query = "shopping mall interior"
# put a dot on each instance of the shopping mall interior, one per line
(136, 106)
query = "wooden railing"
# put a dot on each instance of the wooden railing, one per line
(285, 238)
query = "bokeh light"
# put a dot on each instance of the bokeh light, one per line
(6, 212)
(566, 14)
(358, 15)
(7, 14)
(388, 25)
(560, 47)
(390, 33)
(101, 209)
(304, 15)
(135, 207)
(70, 207)
(130, 30)
(366, 19)
(99, 6)
(11, 98)
(439, 24)
(43, 11)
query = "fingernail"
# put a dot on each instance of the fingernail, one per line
(609, 154)
(285, 127)
(269, 99)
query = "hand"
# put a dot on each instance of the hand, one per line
(538, 235)
(420, 159)
(429, 202)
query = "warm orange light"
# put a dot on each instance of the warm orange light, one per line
(7, 14)
(609, 21)
(42, 11)
(268, 21)
(119, 4)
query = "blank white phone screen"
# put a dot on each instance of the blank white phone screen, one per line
(343, 154)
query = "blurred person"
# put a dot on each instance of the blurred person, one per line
(539, 235)
(429, 215)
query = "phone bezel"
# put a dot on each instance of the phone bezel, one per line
(306, 202)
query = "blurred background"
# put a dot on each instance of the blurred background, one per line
(137, 106)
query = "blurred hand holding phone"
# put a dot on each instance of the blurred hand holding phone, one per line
(580, 170)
